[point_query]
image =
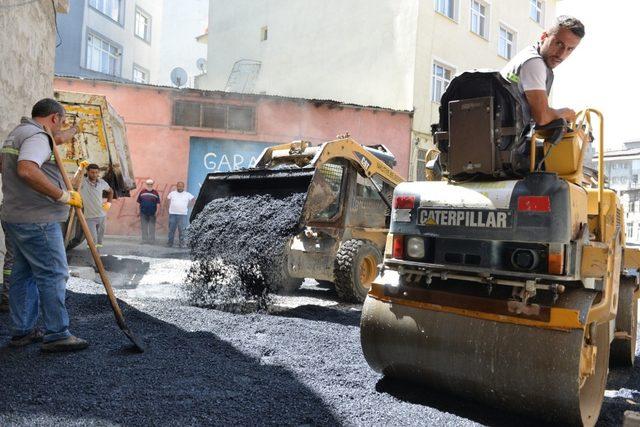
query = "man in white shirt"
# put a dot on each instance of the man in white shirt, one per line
(531, 70)
(179, 203)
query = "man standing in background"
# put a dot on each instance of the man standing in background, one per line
(149, 199)
(179, 203)
(95, 208)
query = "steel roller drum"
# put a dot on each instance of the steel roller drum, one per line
(523, 369)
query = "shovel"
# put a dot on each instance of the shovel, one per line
(72, 215)
(96, 258)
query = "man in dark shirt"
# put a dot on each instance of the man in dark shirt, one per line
(148, 199)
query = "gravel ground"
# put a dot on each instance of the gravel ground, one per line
(301, 365)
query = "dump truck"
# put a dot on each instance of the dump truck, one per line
(101, 139)
(505, 281)
(345, 216)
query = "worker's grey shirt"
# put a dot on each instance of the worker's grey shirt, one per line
(21, 203)
(526, 71)
(92, 197)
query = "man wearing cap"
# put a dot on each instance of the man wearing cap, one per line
(149, 199)
(34, 205)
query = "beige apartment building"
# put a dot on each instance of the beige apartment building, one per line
(397, 54)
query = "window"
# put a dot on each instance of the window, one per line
(629, 230)
(142, 26)
(421, 165)
(140, 75)
(329, 178)
(479, 18)
(536, 11)
(264, 33)
(240, 118)
(103, 56)
(446, 7)
(440, 79)
(111, 8)
(506, 42)
(215, 116)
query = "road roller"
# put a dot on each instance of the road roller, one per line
(506, 280)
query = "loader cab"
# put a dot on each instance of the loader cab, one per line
(341, 197)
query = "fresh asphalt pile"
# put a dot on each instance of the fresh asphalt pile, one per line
(237, 246)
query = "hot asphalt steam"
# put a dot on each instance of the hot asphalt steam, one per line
(237, 245)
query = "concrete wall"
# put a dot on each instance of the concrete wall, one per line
(160, 150)
(27, 49)
(355, 51)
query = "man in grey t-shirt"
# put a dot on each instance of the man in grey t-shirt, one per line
(95, 208)
(34, 205)
(531, 70)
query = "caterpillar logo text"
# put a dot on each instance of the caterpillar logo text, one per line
(366, 164)
(466, 218)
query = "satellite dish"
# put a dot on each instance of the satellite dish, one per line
(201, 63)
(179, 76)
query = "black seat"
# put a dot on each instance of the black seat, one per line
(489, 134)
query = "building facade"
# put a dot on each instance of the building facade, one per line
(183, 134)
(398, 54)
(131, 40)
(622, 170)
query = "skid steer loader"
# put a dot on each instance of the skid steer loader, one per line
(345, 217)
(505, 282)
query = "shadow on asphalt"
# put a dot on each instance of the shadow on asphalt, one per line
(183, 378)
(474, 411)
(322, 314)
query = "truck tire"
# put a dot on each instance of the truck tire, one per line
(355, 267)
(623, 349)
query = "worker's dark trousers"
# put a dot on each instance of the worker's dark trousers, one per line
(148, 225)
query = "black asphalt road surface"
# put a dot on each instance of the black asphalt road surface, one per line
(302, 366)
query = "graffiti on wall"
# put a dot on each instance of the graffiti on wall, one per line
(207, 155)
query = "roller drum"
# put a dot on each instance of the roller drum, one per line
(523, 369)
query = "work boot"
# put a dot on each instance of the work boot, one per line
(66, 344)
(24, 340)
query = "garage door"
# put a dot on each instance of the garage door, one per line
(207, 155)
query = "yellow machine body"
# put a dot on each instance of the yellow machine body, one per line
(531, 342)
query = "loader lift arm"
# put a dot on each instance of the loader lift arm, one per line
(363, 158)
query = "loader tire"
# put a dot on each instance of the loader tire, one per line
(623, 349)
(355, 267)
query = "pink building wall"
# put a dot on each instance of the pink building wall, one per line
(160, 150)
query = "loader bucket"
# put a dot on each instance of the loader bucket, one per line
(278, 183)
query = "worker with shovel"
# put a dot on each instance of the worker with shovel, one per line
(34, 206)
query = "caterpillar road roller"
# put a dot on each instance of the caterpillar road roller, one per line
(504, 282)
(344, 220)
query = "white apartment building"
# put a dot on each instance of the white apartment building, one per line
(131, 40)
(398, 54)
(622, 170)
